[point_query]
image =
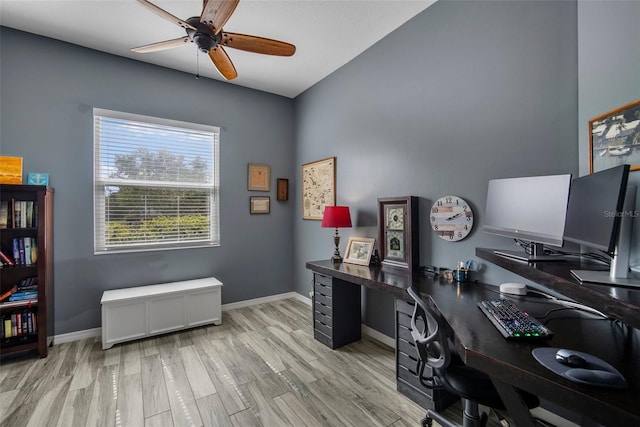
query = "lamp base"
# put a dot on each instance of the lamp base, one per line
(336, 258)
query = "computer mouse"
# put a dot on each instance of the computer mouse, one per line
(597, 377)
(570, 358)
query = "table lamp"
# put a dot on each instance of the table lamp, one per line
(338, 217)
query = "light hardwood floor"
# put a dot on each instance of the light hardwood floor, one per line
(261, 367)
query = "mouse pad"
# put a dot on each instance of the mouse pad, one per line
(589, 375)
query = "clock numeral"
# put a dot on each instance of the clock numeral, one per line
(464, 207)
(449, 200)
(451, 236)
(459, 234)
(433, 218)
(466, 227)
(434, 210)
(435, 226)
(439, 203)
(468, 218)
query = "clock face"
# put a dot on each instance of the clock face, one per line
(395, 218)
(451, 218)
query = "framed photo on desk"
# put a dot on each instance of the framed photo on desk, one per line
(359, 250)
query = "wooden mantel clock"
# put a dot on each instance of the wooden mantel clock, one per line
(398, 236)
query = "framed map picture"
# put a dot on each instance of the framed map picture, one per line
(318, 187)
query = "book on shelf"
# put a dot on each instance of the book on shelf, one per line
(4, 214)
(34, 250)
(28, 284)
(23, 218)
(20, 323)
(14, 325)
(21, 250)
(16, 251)
(29, 213)
(35, 215)
(19, 214)
(27, 251)
(24, 249)
(7, 333)
(23, 296)
(16, 214)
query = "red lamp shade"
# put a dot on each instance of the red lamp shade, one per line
(336, 216)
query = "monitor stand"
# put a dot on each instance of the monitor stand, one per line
(618, 274)
(603, 278)
(537, 254)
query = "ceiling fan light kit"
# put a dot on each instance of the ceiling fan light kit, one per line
(206, 32)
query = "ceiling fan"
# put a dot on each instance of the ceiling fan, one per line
(207, 33)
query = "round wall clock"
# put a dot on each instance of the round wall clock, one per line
(451, 218)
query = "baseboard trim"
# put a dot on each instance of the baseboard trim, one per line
(255, 301)
(77, 336)
(366, 330)
(378, 336)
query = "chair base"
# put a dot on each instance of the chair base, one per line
(470, 418)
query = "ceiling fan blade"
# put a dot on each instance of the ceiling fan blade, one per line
(168, 44)
(216, 13)
(166, 15)
(223, 63)
(257, 44)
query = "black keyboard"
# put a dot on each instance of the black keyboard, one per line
(512, 322)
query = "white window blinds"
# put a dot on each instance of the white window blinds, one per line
(156, 183)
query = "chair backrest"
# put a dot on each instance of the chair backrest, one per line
(429, 333)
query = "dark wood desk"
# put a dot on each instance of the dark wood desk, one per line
(622, 303)
(511, 364)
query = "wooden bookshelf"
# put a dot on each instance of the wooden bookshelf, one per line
(35, 313)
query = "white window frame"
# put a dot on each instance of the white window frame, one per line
(100, 183)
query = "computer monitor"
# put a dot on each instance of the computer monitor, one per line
(600, 216)
(531, 209)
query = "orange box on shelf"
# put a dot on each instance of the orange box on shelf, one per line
(10, 170)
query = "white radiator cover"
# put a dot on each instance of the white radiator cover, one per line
(144, 311)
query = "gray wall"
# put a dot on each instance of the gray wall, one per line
(608, 73)
(462, 93)
(48, 89)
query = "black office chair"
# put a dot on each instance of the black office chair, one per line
(449, 372)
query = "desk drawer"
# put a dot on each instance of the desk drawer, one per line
(404, 319)
(407, 347)
(323, 338)
(325, 329)
(323, 318)
(323, 299)
(409, 362)
(319, 279)
(321, 289)
(403, 306)
(411, 378)
(404, 333)
(321, 308)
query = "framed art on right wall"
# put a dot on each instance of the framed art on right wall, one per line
(614, 138)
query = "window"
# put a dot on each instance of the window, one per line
(156, 183)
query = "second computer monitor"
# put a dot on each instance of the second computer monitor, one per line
(531, 209)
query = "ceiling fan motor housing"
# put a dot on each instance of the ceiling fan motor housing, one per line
(203, 37)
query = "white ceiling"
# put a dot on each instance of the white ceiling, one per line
(326, 33)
